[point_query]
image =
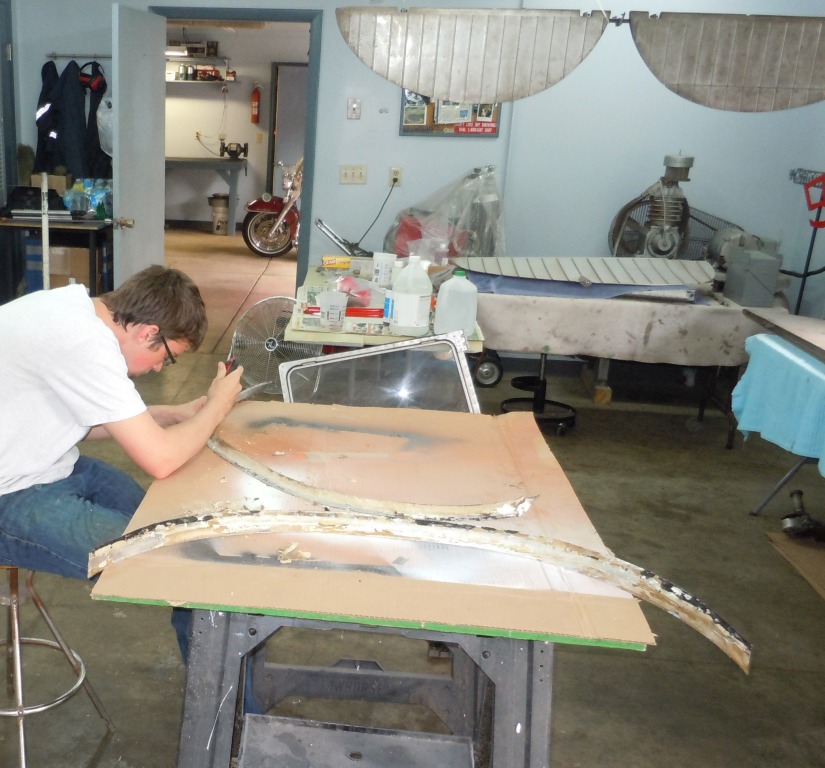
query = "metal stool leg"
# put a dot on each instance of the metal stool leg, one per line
(16, 662)
(14, 643)
(71, 657)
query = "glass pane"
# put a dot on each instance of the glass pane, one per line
(430, 377)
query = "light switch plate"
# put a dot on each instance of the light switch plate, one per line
(352, 174)
(353, 109)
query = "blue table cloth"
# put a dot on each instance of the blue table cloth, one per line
(782, 396)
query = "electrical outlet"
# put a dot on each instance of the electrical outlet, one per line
(395, 177)
(352, 174)
(259, 138)
(197, 135)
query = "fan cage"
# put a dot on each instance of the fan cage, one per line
(702, 226)
(258, 343)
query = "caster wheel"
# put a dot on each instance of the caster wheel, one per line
(489, 370)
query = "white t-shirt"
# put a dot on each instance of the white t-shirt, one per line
(62, 374)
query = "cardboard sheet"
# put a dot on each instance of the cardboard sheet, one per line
(393, 455)
(806, 556)
(807, 332)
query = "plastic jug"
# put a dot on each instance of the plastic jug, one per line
(412, 294)
(456, 306)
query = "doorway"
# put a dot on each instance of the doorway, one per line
(224, 16)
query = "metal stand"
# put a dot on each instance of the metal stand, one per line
(546, 412)
(516, 673)
(778, 487)
(724, 403)
(14, 663)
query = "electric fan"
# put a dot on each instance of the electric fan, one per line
(258, 343)
(655, 224)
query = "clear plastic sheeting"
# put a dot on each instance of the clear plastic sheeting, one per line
(461, 219)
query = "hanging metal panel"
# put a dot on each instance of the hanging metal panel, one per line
(475, 55)
(733, 62)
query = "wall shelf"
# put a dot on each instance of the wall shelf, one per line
(199, 70)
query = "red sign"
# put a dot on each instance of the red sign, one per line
(818, 181)
(476, 129)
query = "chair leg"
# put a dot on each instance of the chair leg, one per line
(15, 668)
(757, 510)
(9, 649)
(69, 654)
(14, 643)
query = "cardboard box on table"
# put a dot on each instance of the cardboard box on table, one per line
(58, 183)
(65, 265)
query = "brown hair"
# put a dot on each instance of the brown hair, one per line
(163, 297)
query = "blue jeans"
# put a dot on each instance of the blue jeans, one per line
(53, 527)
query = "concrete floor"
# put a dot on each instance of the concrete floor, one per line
(662, 491)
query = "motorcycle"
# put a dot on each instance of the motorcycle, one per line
(270, 228)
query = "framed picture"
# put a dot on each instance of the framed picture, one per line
(422, 116)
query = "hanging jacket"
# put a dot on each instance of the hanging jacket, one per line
(98, 163)
(46, 120)
(66, 112)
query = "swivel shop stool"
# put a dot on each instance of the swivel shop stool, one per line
(548, 413)
(14, 663)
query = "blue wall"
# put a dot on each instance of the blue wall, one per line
(568, 158)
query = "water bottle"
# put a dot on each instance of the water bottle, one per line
(456, 306)
(412, 295)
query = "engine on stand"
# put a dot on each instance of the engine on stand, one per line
(655, 223)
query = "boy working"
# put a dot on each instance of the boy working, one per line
(69, 363)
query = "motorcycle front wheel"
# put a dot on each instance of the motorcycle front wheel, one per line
(260, 238)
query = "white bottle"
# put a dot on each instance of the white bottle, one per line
(412, 294)
(456, 306)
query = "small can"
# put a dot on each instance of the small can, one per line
(190, 72)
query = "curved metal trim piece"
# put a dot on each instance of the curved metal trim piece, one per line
(639, 583)
(377, 507)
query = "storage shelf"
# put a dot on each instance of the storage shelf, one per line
(220, 64)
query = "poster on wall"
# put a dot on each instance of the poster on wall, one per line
(422, 116)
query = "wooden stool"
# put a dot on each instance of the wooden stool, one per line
(14, 663)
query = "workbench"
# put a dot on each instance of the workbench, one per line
(94, 233)
(705, 334)
(500, 614)
(226, 167)
(626, 308)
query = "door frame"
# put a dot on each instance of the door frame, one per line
(11, 273)
(273, 120)
(8, 123)
(315, 20)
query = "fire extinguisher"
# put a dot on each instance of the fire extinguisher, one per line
(256, 104)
